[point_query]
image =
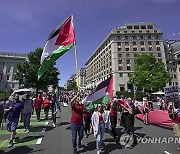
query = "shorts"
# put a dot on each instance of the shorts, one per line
(12, 124)
(176, 129)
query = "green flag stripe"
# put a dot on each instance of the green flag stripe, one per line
(48, 61)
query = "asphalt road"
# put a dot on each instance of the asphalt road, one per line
(58, 140)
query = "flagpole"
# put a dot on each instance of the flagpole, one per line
(77, 72)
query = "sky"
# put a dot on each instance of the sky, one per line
(26, 25)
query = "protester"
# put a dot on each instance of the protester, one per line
(13, 109)
(77, 122)
(87, 122)
(145, 110)
(47, 105)
(28, 107)
(100, 119)
(174, 114)
(1, 111)
(54, 107)
(113, 107)
(38, 104)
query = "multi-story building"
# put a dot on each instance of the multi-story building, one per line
(81, 79)
(8, 68)
(172, 53)
(116, 54)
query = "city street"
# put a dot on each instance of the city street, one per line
(44, 139)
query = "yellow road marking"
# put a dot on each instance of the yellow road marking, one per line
(3, 143)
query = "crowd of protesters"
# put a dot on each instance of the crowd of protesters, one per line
(82, 120)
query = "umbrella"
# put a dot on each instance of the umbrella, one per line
(158, 93)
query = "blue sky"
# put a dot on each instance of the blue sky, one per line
(26, 25)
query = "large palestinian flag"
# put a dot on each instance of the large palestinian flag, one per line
(59, 41)
(101, 95)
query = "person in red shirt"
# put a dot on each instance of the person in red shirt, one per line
(113, 107)
(38, 104)
(174, 114)
(77, 122)
(47, 104)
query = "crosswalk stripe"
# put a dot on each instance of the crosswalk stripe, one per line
(166, 152)
(3, 143)
(39, 141)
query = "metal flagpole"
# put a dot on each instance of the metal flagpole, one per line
(77, 71)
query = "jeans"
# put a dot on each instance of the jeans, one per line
(87, 121)
(99, 136)
(113, 125)
(38, 111)
(27, 117)
(46, 111)
(75, 128)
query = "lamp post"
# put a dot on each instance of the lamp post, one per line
(26, 72)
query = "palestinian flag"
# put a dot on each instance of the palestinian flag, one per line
(59, 42)
(101, 95)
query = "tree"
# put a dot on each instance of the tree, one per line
(27, 72)
(149, 74)
(72, 85)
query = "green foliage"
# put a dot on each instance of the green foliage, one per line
(72, 86)
(4, 95)
(29, 71)
(149, 74)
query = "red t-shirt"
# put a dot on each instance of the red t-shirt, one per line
(101, 118)
(47, 103)
(38, 103)
(77, 114)
(113, 112)
(87, 114)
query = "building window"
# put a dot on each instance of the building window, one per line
(134, 49)
(142, 49)
(125, 31)
(175, 76)
(136, 27)
(140, 31)
(127, 49)
(157, 42)
(150, 49)
(120, 68)
(149, 43)
(134, 43)
(128, 61)
(134, 37)
(118, 32)
(157, 37)
(119, 49)
(119, 61)
(126, 43)
(120, 74)
(129, 27)
(118, 43)
(142, 43)
(150, 26)
(159, 54)
(158, 49)
(128, 68)
(149, 37)
(126, 37)
(143, 27)
(135, 55)
(118, 37)
(127, 55)
(119, 55)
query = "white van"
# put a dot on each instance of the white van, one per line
(21, 93)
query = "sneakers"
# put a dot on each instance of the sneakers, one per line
(178, 148)
(116, 139)
(54, 125)
(26, 131)
(10, 144)
(79, 144)
(75, 151)
(100, 151)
